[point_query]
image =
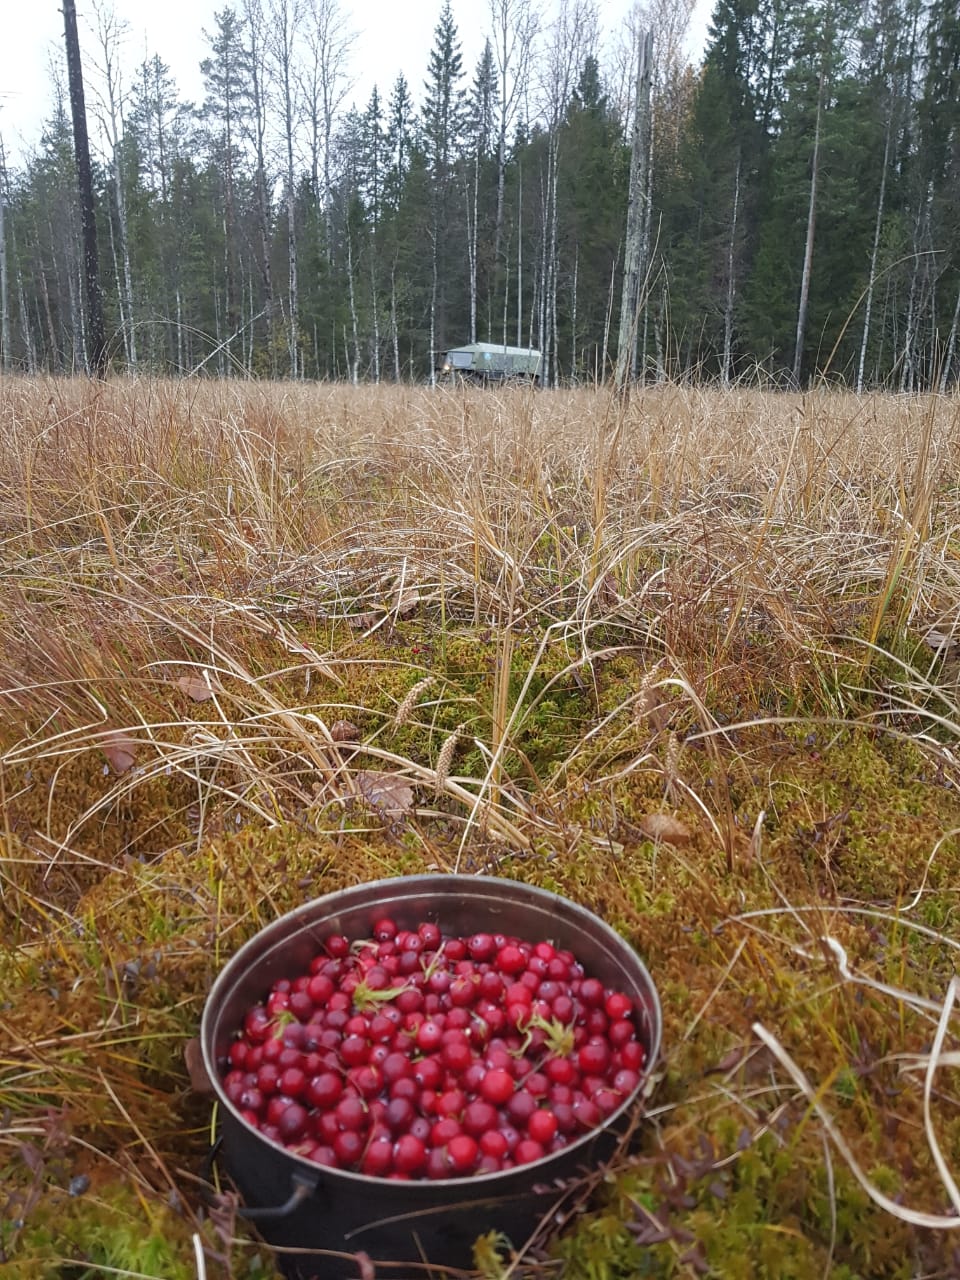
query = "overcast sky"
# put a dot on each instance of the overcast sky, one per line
(392, 36)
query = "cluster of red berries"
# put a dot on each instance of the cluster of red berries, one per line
(415, 1055)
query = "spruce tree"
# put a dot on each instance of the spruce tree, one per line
(444, 118)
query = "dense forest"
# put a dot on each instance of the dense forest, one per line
(795, 198)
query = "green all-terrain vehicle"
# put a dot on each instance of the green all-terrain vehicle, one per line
(485, 362)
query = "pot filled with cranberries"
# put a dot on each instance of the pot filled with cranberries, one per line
(406, 1065)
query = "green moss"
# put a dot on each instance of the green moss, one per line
(64, 1236)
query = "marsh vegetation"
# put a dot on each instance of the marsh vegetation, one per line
(691, 660)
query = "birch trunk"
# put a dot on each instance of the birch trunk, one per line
(376, 319)
(951, 348)
(552, 364)
(4, 296)
(874, 253)
(519, 261)
(180, 353)
(353, 364)
(253, 13)
(394, 329)
(292, 290)
(911, 323)
(433, 317)
(26, 332)
(127, 271)
(471, 203)
(120, 293)
(543, 276)
(573, 314)
(286, 19)
(514, 25)
(634, 266)
(731, 279)
(811, 229)
(605, 353)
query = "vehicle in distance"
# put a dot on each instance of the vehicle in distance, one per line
(484, 362)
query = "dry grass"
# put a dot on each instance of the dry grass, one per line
(262, 641)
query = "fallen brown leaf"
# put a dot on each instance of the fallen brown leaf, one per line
(388, 793)
(198, 687)
(408, 603)
(361, 621)
(120, 750)
(660, 826)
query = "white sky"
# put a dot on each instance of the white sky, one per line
(392, 36)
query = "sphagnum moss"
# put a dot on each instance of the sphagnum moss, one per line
(690, 637)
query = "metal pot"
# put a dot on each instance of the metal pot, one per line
(302, 1207)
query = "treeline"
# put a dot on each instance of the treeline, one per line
(800, 196)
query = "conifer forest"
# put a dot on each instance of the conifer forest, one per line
(795, 189)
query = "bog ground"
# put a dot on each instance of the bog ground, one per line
(690, 661)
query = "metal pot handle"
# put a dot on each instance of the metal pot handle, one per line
(304, 1185)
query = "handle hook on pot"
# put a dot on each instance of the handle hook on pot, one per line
(304, 1185)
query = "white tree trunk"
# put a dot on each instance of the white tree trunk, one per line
(573, 314)
(811, 228)
(519, 261)
(355, 361)
(605, 352)
(911, 324)
(514, 24)
(110, 31)
(433, 317)
(731, 279)
(4, 296)
(634, 266)
(471, 203)
(180, 352)
(285, 17)
(254, 18)
(394, 327)
(551, 366)
(951, 348)
(26, 332)
(874, 254)
(375, 303)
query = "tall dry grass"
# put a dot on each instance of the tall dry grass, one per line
(147, 525)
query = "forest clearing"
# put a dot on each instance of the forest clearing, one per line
(689, 659)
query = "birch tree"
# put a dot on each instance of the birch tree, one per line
(570, 39)
(285, 20)
(887, 90)
(110, 106)
(635, 265)
(514, 26)
(254, 125)
(325, 82)
(5, 354)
